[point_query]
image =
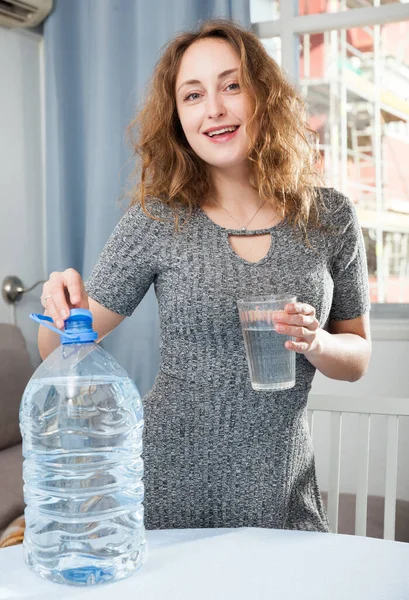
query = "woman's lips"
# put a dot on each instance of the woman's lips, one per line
(223, 137)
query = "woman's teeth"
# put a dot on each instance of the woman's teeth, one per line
(221, 131)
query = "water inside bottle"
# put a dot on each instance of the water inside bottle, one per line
(82, 443)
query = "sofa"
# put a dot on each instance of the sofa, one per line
(15, 371)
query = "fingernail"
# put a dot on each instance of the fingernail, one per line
(279, 327)
(75, 299)
(60, 324)
(64, 313)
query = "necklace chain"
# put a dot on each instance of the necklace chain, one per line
(242, 227)
(254, 238)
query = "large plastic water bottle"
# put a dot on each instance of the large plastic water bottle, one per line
(81, 420)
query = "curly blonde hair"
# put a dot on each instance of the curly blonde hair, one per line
(282, 150)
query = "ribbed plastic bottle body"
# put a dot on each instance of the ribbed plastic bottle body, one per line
(81, 419)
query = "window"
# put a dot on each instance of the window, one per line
(264, 10)
(356, 84)
(314, 7)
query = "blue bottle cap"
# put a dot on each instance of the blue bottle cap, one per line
(77, 328)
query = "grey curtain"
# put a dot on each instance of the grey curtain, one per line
(99, 56)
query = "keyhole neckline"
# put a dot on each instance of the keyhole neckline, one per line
(248, 232)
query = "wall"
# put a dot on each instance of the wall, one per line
(21, 177)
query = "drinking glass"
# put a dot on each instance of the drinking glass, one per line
(271, 365)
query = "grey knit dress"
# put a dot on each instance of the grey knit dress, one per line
(217, 453)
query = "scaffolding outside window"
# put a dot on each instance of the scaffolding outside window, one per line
(356, 83)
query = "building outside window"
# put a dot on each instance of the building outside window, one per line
(355, 79)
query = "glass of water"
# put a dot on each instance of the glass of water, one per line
(271, 365)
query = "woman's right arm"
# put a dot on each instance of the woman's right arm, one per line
(62, 292)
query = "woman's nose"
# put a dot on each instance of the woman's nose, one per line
(215, 107)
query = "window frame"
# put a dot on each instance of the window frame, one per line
(390, 321)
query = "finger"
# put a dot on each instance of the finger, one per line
(58, 302)
(75, 288)
(300, 347)
(307, 309)
(299, 307)
(302, 320)
(50, 309)
(293, 331)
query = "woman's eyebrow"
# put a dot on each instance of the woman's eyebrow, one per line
(220, 76)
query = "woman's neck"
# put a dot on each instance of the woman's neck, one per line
(234, 191)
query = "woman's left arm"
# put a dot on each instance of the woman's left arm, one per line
(342, 352)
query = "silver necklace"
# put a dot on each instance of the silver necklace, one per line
(242, 227)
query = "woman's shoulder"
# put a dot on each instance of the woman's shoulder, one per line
(337, 209)
(157, 210)
(153, 214)
(151, 208)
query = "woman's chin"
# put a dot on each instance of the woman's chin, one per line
(227, 162)
(231, 166)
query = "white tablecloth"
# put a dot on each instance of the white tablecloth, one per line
(237, 564)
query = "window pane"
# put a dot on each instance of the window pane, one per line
(264, 10)
(313, 7)
(396, 260)
(356, 83)
(273, 47)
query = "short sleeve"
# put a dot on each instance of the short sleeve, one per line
(348, 262)
(127, 264)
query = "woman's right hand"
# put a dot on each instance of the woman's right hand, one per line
(63, 291)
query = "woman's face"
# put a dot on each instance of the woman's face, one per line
(212, 108)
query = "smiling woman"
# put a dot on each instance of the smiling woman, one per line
(226, 207)
(216, 78)
(213, 110)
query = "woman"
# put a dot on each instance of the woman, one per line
(227, 206)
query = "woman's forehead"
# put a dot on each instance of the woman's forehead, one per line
(207, 56)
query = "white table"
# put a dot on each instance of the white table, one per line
(237, 564)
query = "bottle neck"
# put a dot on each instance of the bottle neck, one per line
(78, 330)
(78, 326)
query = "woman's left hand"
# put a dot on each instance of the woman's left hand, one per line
(299, 321)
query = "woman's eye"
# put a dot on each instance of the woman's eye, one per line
(192, 96)
(233, 86)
